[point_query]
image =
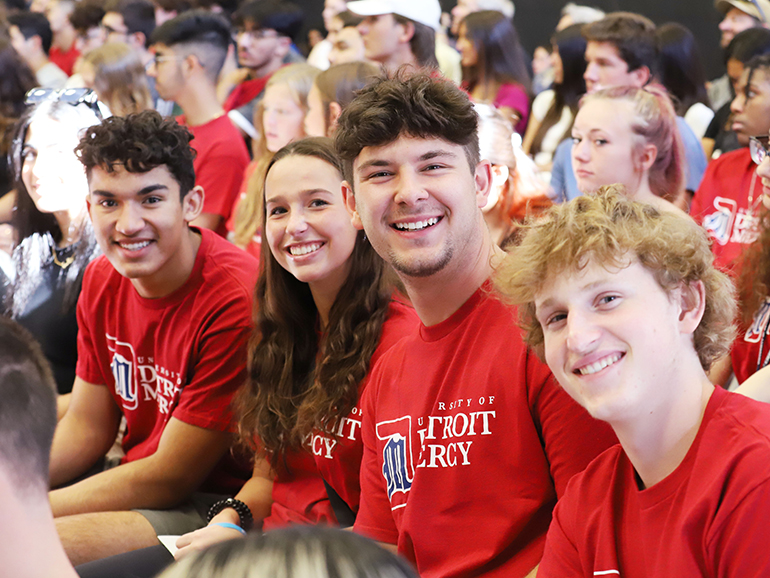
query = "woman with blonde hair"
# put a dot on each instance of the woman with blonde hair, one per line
(280, 119)
(332, 90)
(629, 136)
(116, 74)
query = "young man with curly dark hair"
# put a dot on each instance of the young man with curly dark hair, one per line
(164, 318)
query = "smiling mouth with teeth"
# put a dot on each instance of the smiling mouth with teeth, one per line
(299, 250)
(417, 225)
(599, 365)
(134, 246)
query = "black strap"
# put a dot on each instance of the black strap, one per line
(345, 515)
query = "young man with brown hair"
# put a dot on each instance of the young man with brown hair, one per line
(465, 428)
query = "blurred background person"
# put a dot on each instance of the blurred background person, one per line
(279, 120)
(553, 110)
(542, 68)
(332, 90)
(118, 77)
(680, 70)
(465, 7)
(55, 237)
(31, 37)
(63, 51)
(16, 79)
(720, 137)
(86, 18)
(347, 44)
(495, 64)
(516, 192)
(576, 14)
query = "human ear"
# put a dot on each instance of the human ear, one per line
(482, 177)
(192, 203)
(648, 155)
(350, 204)
(335, 110)
(692, 304)
(136, 39)
(408, 32)
(641, 76)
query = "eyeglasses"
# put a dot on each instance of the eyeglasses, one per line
(73, 96)
(259, 33)
(158, 58)
(758, 148)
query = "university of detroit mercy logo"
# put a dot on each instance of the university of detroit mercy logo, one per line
(123, 371)
(397, 462)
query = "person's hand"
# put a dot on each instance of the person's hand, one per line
(7, 238)
(203, 538)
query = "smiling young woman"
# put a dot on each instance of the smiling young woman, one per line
(325, 314)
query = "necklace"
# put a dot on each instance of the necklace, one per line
(63, 264)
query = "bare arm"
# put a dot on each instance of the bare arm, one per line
(185, 456)
(529, 136)
(85, 433)
(7, 202)
(257, 494)
(757, 386)
(207, 221)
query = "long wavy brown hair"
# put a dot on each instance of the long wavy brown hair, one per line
(754, 272)
(300, 380)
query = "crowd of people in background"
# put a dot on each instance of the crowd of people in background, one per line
(503, 313)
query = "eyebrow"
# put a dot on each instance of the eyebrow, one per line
(304, 193)
(437, 153)
(550, 301)
(141, 193)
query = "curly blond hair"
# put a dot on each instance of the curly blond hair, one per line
(608, 228)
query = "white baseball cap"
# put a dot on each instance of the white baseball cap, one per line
(759, 9)
(427, 12)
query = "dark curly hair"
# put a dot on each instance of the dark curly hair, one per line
(417, 105)
(140, 142)
(299, 380)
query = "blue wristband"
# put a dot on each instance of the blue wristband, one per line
(230, 526)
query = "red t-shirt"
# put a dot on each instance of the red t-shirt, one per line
(748, 349)
(221, 158)
(468, 441)
(182, 355)
(338, 454)
(64, 60)
(245, 92)
(721, 205)
(299, 494)
(708, 518)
